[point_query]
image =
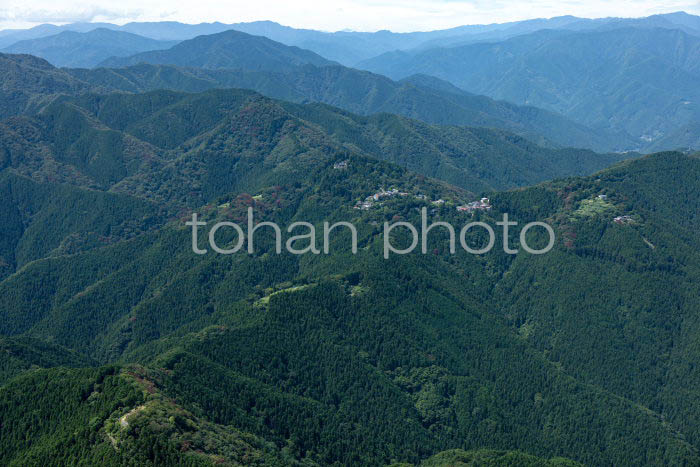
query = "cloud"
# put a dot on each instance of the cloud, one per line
(406, 15)
(363, 15)
(68, 13)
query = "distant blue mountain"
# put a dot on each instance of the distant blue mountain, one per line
(349, 47)
(228, 49)
(86, 49)
(642, 81)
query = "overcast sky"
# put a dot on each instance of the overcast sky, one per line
(329, 15)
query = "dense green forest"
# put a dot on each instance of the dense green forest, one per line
(119, 345)
(120, 141)
(352, 359)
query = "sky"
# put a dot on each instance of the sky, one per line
(329, 15)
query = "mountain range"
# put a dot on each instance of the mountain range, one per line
(107, 142)
(280, 358)
(627, 84)
(640, 81)
(122, 345)
(420, 97)
(228, 49)
(86, 49)
(351, 47)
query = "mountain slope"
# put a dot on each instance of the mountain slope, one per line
(128, 137)
(22, 354)
(27, 83)
(229, 49)
(112, 416)
(678, 20)
(343, 358)
(42, 220)
(85, 50)
(477, 159)
(419, 97)
(639, 81)
(585, 353)
(684, 138)
(489, 458)
(611, 321)
(385, 360)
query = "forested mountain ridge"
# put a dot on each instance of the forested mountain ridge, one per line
(419, 97)
(87, 172)
(27, 83)
(127, 163)
(48, 219)
(123, 143)
(357, 91)
(624, 330)
(114, 416)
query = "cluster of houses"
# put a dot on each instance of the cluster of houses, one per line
(378, 196)
(482, 205)
(619, 219)
(623, 219)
